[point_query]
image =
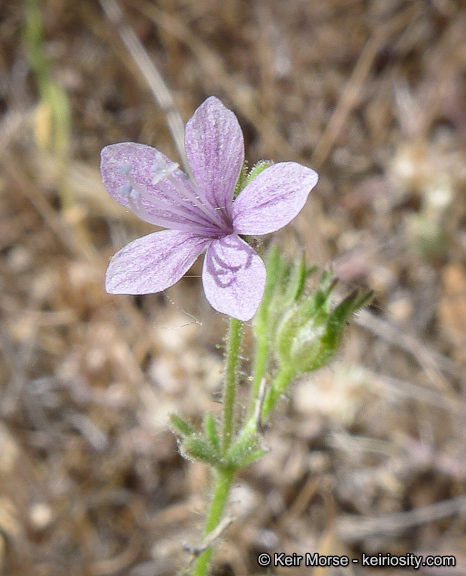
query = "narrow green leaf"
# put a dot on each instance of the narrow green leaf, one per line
(211, 431)
(181, 426)
(199, 448)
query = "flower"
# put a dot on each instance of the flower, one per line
(201, 215)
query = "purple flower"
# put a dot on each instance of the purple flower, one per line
(201, 215)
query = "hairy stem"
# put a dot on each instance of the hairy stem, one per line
(235, 335)
(223, 477)
(248, 432)
(279, 386)
(222, 486)
(260, 367)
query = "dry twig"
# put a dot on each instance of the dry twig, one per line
(152, 76)
(356, 529)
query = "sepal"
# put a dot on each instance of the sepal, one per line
(245, 177)
(256, 170)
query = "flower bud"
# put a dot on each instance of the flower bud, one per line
(310, 332)
(284, 287)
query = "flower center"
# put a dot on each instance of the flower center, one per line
(177, 201)
(191, 194)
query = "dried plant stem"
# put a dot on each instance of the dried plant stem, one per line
(352, 528)
(151, 74)
(356, 82)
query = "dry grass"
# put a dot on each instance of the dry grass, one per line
(371, 454)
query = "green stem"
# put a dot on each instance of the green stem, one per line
(248, 432)
(223, 478)
(260, 367)
(279, 386)
(235, 335)
(222, 486)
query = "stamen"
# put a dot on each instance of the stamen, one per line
(162, 172)
(166, 172)
(192, 193)
(168, 216)
(136, 205)
(191, 200)
(125, 189)
(125, 168)
(188, 213)
(182, 174)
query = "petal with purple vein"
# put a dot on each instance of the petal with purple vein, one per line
(273, 198)
(233, 277)
(215, 149)
(153, 263)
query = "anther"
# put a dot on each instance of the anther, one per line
(125, 168)
(126, 189)
(162, 172)
(181, 174)
(134, 195)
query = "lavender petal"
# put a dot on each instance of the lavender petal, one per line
(273, 198)
(215, 149)
(153, 263)
(233, 277)
(134, 176)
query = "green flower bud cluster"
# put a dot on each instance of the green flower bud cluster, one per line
(304, 328)
(311, 331)
(284, 287)
(301, 331)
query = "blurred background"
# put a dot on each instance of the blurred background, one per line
(368, 455)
